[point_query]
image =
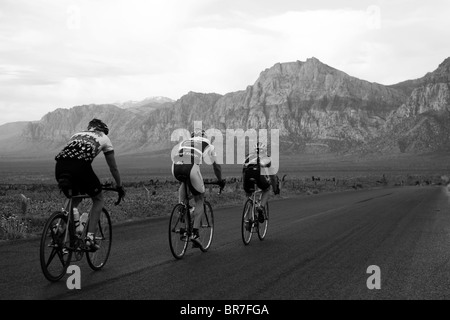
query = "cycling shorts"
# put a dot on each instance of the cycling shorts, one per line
(83, 178)
(253, 172)
(189, 173)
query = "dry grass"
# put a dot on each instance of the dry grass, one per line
(25, 208)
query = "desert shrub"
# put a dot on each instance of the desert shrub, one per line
(25, 208)
(14, 227)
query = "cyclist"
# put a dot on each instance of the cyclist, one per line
(75, 160)
(186, 169)
(254, 165)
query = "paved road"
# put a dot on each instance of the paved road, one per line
(317, 247)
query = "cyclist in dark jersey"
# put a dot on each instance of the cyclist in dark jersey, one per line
(75, 162)
(254, 167)
(186, 169)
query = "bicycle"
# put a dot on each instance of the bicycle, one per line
(181, 225)
(250, 222)
(60, 240)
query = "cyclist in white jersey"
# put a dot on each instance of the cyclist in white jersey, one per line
(186, 169)
(74, 163)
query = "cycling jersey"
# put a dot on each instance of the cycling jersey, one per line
(252, 159)
(86, 146)
(195, 150)
(251, 170)
(186, 163)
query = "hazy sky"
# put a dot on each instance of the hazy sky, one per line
(58, 54)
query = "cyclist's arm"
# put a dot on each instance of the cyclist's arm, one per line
(275, 185)
(211, 154)
(217, 170)
(111, 161)
(274, 181)
(217, 167)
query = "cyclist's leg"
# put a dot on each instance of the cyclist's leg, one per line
(182, 193)
(248, 186)
(91, 186)
(98, 203)
(264, 185)
(180, 172)
(198, 190)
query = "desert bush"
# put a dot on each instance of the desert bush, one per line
(25, 208)
(13, 227)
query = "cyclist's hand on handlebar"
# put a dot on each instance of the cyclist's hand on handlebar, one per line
(121, 192)
(222, 183)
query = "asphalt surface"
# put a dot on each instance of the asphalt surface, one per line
(317, 247)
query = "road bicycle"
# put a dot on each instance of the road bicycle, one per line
(181, 225)
(60, 241)
(250, 222)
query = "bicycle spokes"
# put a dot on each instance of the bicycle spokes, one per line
(206, 229)
(54, 255)
(178, 227)
(248, 223)
(103, 238)
(262, 226)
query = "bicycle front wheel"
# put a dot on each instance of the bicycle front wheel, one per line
(54, 255)
(178, 231)
(262, 227)
(206, 229)
(247, 222)
(103, 237)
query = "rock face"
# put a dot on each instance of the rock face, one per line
(422, 123)
(313, 104)
(316, 108)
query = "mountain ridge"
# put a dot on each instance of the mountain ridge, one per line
(317, 108)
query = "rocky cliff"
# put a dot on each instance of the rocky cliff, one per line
(317, 108)
(422, 123)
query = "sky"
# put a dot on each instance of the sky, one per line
(64, 53)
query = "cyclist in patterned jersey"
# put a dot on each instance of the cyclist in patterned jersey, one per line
(75, 161)
(186, 169)
(254, 167)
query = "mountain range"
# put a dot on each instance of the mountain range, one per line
(317, 108)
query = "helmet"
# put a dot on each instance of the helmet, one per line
(98, 125)
(260, 147)
(198, 133)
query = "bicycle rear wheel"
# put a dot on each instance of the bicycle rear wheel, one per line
(103, 237)
(247, 222)
(54, 256)
(178, 229)
(262, 227)
(206, 229)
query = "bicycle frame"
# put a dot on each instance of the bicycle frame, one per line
(56, 249)
(250, 219)
(181, 224)
(68, 210)
(255, 201)
(187, 206)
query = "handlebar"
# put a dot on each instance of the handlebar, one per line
(108, 187)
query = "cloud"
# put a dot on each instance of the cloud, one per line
(64, 53)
